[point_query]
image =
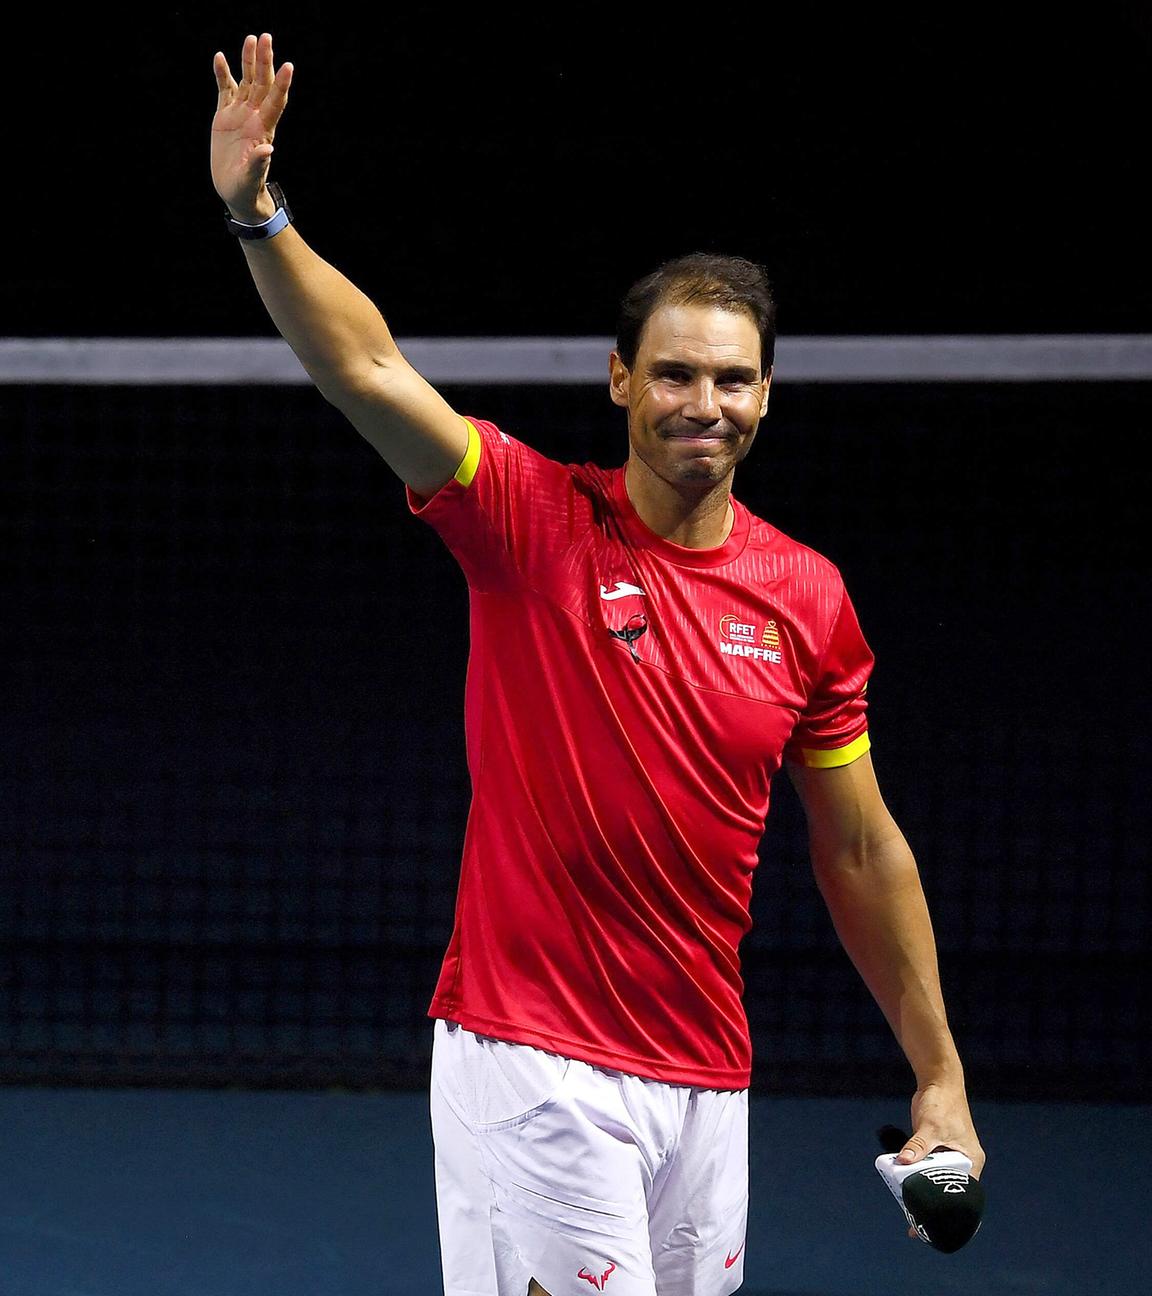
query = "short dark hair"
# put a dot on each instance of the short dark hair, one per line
(732, 283)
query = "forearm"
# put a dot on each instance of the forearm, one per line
(877, 905)
(334, 329)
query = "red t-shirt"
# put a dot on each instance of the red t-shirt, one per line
(628, 701)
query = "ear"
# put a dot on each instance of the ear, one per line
(618, 380)
(764, 399)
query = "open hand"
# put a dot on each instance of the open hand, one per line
(245, 122)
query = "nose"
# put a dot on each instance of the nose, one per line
(702, 405)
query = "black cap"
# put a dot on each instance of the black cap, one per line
(946, 1206)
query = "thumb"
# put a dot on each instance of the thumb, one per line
(914, 1150)
(259, 164)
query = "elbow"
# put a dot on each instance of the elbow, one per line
(348, 386)
(881, 852)
(838, 869)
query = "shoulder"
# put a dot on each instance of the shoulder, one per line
(508, 445)
(788, 557)
(512, 477)
(508, 455)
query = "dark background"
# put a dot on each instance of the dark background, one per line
(233, 789)
(971, 170)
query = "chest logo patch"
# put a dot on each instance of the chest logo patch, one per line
(636, 625)
(621, 590)
(739, 638)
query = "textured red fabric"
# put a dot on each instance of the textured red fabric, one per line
(621, 780)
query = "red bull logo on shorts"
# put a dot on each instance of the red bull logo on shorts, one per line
(597, 1280)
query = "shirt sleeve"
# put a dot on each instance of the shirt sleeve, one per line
(506, 508)
(833, 727)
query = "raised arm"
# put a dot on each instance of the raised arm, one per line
(869, 880)
(338, 335)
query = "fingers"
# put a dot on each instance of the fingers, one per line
(262, 70)
(920, 1144)
(248, 66)
(224, 81)
(264, 61)
(258, 79)
(277, 96)
(261, 75)
(260, 86)
(223, 72)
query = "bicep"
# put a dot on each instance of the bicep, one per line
(406, 420)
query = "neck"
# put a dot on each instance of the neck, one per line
(697, 518)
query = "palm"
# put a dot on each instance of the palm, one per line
(245, 122)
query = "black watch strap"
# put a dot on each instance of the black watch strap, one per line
(273, 225)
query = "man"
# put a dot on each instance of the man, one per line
(645, 655)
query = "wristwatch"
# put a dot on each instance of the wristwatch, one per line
(273, 225)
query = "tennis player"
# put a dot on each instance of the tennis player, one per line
(645, 655)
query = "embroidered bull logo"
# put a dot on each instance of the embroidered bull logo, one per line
(597, 1282)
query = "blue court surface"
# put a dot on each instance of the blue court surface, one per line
(217, 1193)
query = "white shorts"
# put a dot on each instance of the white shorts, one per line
(582, 1177)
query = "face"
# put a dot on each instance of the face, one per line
(694, 396)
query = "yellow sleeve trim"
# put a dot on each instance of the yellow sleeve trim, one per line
(814, 759)
(471, 460)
